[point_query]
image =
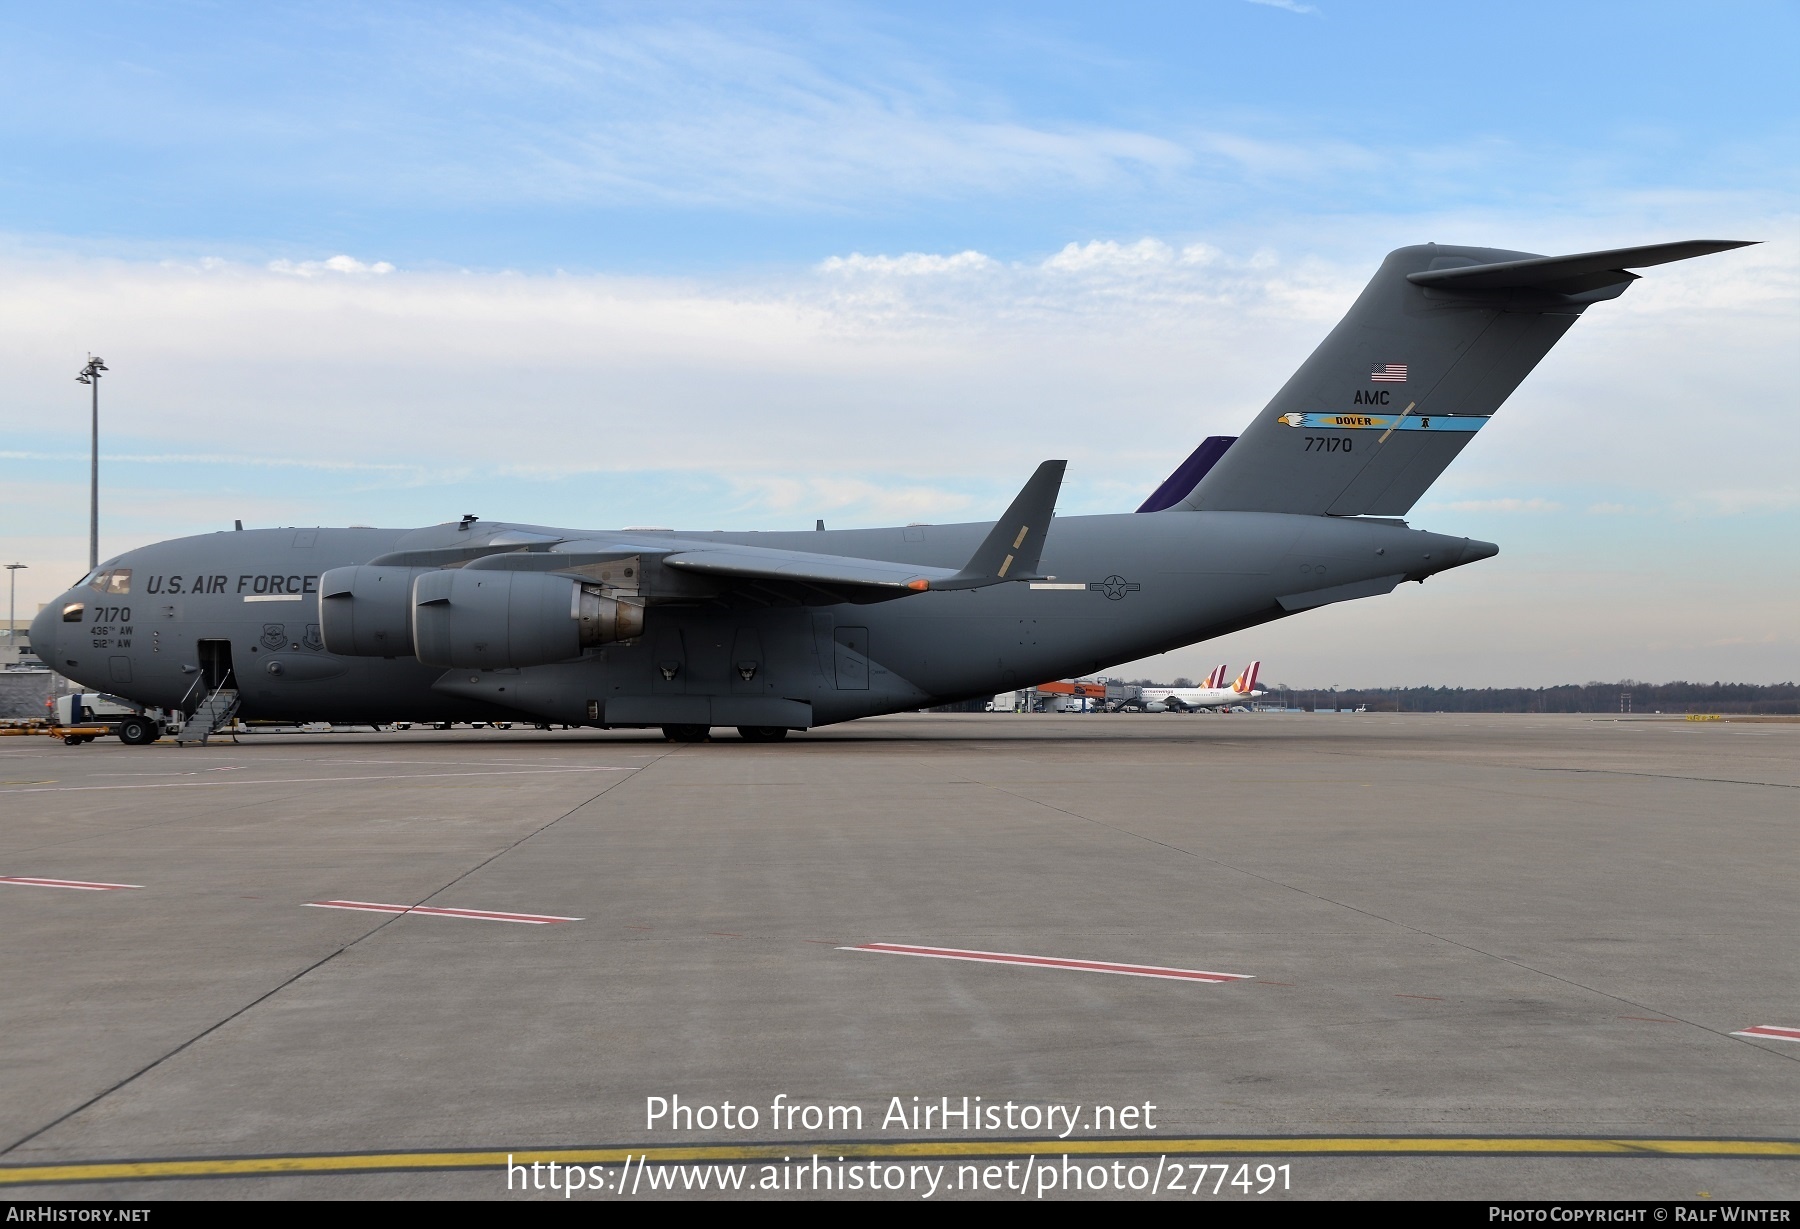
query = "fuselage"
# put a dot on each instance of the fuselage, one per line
(161, 624)
(1196, 697)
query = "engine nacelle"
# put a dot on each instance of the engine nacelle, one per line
(488, 619)
(367, 611)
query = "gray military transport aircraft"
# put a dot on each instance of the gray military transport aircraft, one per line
(772, 632)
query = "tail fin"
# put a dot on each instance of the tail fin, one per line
(1246, 682)
(1438, 339)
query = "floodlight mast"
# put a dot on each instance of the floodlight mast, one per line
(90, 375)
(12, 593)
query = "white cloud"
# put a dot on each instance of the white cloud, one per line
(912, 264)
(315, 268)
(1125, 350)
(1110, 255)
(1737, 501)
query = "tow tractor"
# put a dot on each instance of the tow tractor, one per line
(83, 716)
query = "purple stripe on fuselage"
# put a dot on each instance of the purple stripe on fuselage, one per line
(1187, 475)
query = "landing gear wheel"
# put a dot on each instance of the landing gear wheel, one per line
(686, 733)
(762, 733)
(137, 731)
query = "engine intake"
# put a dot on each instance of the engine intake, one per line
(367, 611)
(490, 619)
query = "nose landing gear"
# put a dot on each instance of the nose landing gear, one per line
(138, 731)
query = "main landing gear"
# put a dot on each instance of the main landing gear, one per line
(700, 733)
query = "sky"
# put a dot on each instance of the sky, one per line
(747, 265)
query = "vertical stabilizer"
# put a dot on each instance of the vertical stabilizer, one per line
(1436, 341)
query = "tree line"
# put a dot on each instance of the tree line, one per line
(1625, 696)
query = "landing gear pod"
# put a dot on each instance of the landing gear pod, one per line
(367, 611)
(482, 620)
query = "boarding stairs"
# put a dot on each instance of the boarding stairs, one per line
(213, 714)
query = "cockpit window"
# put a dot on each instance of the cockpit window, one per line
(113, 580)
(73, 611)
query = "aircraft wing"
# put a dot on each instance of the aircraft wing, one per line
(687, 570)
(765, 563)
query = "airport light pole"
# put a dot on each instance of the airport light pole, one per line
(12, 593)
(90, 375)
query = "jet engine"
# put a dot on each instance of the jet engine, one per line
(367, 611)
(488, 619)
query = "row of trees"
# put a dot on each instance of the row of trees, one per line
(1777, 699)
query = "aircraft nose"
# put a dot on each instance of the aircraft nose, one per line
(43, 631)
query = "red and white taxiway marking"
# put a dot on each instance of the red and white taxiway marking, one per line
(1048, 962)
(483, 915)
(1770, 1032)
(78, 884)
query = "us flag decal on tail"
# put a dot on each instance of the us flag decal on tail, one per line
(1392, 373)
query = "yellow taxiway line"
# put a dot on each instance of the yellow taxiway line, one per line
(949, 1149)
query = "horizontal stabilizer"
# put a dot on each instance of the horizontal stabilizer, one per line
(1569, 274)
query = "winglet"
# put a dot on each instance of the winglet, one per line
(1016, 542)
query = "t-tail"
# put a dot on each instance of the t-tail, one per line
(1439, 338)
